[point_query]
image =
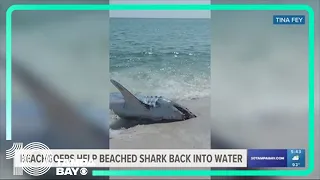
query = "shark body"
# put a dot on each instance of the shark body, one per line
(154, 108)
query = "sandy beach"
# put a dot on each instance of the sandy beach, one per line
(189, 134)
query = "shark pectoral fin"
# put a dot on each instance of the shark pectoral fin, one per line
(129, 98)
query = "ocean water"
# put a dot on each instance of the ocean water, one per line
(164, 57)
(169, 57)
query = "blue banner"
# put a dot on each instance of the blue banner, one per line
(258, 158)
(267, 158)
(289, 19)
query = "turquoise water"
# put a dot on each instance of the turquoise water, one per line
(169, 57)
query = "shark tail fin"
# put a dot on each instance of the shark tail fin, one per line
(130, 99)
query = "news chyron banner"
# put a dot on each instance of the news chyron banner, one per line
(36, 158)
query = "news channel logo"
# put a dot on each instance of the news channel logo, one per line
(46, 165)
(33, 171)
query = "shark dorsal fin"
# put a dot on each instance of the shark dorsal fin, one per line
(129, 98)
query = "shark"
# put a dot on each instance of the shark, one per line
(151, 108)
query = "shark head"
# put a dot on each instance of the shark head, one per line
(175, 110)
(186, 114)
